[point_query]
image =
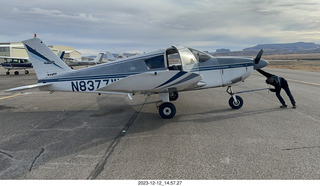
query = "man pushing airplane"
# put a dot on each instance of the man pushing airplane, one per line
(278, 83)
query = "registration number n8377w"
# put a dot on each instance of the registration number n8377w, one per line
(90, 85)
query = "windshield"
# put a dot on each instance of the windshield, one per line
(200, 56)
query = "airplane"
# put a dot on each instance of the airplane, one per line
(71, 62)
(110, 57)
(149, 73)
(17, 63)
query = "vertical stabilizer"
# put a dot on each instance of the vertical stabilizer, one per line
(44, 61)
(110, 57)
(98, 59)
(61, 54)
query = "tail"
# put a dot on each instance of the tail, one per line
(98, 59)
(61, 54)
(44, 61)
(110, 56)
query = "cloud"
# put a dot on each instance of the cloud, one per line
(150, 25)
(56, 14)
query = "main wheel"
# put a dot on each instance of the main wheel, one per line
(236, 105)
(173, 96)
(26, 72)
(16, 73)
(8, 73)
(167, 110)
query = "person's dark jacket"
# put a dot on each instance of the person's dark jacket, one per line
(278, 82)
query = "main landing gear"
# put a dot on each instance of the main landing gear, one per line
(17, 72)
(235, 102)
(167, 110)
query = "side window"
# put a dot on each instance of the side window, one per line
(155, 62)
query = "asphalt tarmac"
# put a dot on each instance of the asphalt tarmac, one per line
(87, 136)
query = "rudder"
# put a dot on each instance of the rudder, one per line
(44, 61)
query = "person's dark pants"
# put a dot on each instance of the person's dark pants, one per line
(286, 88)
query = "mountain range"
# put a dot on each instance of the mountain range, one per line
(272, 49)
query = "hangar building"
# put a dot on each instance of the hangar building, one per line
(16, 49)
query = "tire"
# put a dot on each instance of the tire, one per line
(26, 72)
(16, 73)
(167, 110)
(236, 105)
(8, 73)
(173, 96)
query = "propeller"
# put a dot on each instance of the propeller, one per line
(258, 62)
(257, 59)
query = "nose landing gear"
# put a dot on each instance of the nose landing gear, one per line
(235, 102)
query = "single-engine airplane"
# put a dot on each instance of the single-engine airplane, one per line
(110, 57)
(18, 63)
(71, 62)
(149, 73)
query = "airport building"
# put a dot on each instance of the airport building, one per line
(70, 52)
(16, 49)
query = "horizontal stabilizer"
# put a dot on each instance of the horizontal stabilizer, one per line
(28, 87)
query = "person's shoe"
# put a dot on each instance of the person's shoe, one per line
(283, 106)
(294, 106)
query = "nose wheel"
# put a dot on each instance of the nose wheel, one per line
(235, 102)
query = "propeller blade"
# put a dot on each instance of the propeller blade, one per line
(257, 59)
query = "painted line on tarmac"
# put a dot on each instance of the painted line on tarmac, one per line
(10, 96)
(304, 82)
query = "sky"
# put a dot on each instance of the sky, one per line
(142, 26)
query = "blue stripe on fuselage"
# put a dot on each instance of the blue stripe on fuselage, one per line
(34, 52)
(179, 74)
(110, 76)
(105, 76)
(220, 67)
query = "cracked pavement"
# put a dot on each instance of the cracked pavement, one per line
(86, 136)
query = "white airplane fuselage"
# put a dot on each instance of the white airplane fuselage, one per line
(164, 72)
(134, 76)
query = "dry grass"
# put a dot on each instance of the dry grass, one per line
(305, 62)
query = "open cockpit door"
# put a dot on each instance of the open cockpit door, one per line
(181, 58)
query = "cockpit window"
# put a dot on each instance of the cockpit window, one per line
(155, 62)
(200, 56)
(187, 57)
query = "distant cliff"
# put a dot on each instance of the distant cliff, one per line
(276, 49)
(294, 47)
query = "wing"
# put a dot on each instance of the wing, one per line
(7, 57)
(155, 82)
(29, 87)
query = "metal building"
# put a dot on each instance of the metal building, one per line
(16, 49)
